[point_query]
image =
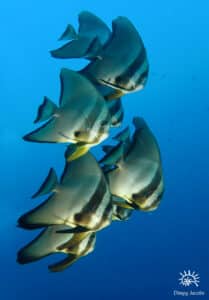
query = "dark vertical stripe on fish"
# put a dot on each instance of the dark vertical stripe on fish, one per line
(147, 191)
(88, 211)
(89, 244)
(106, 215)
(123, 79)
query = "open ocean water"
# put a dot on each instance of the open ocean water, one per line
(140, 258)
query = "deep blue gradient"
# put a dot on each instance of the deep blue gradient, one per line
(141, 258)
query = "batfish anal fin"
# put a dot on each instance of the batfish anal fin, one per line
(77, 238)
(114, 156)
(48, 185)
(63, 264)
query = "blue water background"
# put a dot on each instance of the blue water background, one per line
(141, 258)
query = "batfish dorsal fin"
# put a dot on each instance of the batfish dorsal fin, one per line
(92, 26)
(46, 110)
(63, 264)
(139, 123)
(48, 185)
(74, 86)
(68, 34)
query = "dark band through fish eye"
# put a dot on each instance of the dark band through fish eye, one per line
(123, 78)
(77, 133)
(104, 123)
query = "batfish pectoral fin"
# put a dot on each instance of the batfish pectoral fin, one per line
(94, 50)
(48, 185)
(68, 34)
(90, 25)
(74, 151)
(78, 229)
(63, 264)
(46, 110)
(114, 218)
(77, 238)
(139, 123)
(115, 95)
(121, 202)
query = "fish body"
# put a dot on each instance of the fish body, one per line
(82, 116)
(116, 112)
(122, 63)
(49, 242)
(81, 199)
(92, 34)
(138, 176)
(118, 58)
(121, 210)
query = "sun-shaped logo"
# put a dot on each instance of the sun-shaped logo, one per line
(188, 278)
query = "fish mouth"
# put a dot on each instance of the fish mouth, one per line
(117, 86)
(94, 141)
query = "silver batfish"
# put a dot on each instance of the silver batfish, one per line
(80, 199)
(49, 241)
(82, 116)
(137, 176)
(122, 63)
(93, 33)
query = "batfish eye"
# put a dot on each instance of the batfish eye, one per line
(77, 133)
(134, 196)
(103, 123)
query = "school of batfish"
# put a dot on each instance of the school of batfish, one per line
(91, 194)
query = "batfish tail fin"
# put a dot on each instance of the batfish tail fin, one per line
(63, 264)
(48, 185)
(114, 156)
